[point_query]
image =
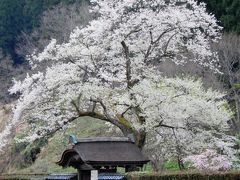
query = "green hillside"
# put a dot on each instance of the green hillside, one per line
(52, 151)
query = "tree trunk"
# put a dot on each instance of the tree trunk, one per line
(180, 163)
(140, 138)
(236, 99)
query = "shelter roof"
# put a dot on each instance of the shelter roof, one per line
(91, 152)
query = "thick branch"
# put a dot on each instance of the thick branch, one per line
(128, 63)
(75, 105)
(130, 107)
(107, 117)
(126, 131)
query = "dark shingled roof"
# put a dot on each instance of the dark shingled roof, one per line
(89, 152)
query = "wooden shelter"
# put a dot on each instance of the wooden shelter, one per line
(97, 155)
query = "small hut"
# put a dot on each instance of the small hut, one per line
(91, 156)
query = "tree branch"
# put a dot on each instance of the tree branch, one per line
(160, 124)
(168, 42)
(133, 31)
(107, 117)
(82, 68)
(153, 43)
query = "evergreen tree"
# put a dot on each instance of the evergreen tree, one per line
(20, 15)
(227, 12)
(11, 24)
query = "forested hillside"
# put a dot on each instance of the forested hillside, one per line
(21, 16)
(29, 25)
(227, 12)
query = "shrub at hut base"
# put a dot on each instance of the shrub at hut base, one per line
(184, 176)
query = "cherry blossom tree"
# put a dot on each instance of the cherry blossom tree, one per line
(109, 70)
(191, 119)
(209, 160)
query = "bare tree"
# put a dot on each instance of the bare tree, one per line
(56, 23)
(229, 53)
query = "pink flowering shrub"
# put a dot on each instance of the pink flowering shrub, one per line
(209, 160)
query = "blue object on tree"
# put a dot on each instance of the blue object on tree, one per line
(73, 139)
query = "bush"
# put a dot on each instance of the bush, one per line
(184, 176)
(171, 165)
(24, 154)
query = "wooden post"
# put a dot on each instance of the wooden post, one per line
(79, 174)
(94, 175)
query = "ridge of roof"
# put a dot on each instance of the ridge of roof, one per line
(104, 139)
